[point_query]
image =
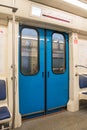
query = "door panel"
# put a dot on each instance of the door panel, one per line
(57, 81)
(31, 81)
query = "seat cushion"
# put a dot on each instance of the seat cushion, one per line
(4, 113)
(2, 90)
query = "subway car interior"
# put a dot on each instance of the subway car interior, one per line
(43, 64)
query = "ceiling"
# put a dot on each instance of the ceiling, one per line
(60, 4)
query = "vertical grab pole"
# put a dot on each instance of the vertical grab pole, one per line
(13, 63)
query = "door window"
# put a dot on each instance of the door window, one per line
(58, 53)
(29, 51)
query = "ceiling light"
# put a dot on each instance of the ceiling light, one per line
(77, 3)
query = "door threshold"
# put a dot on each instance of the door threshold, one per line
(43, 114)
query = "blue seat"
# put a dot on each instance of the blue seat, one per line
(83, 81)
(4, 113)
(2, 90)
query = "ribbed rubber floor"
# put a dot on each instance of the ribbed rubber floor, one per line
(59, 121)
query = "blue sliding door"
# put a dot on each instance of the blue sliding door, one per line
(43, 70)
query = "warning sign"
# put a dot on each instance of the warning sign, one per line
(75, 41)
(75, 38)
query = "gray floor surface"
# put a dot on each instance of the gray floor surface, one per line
(63, 120)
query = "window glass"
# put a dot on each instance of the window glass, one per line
(58, 53)
(29, 51)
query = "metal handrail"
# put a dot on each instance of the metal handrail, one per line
(81, 66)
(14, 9)
(84, 75)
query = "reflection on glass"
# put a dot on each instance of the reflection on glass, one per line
(58, 55)
(29, 51)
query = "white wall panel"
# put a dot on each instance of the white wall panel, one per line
(82, 52)
(3, 49)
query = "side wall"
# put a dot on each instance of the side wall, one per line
(5, 67)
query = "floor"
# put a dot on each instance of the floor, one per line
(63, 120)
